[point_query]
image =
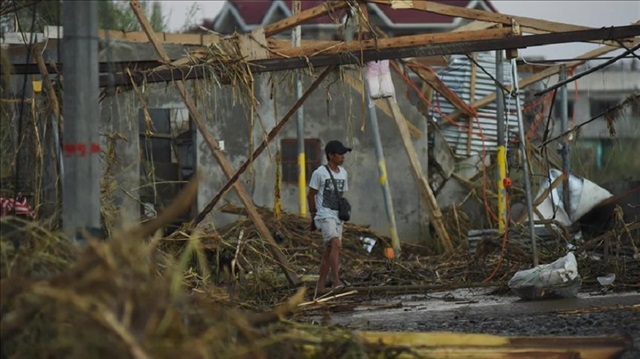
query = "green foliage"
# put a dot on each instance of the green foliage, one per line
(112, 14)
(117, 15)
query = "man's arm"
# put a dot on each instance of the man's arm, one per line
(311, 199)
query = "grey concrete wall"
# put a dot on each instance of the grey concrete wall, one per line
(334, 111)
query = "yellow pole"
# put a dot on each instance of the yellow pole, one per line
(302, 184)
(502, 192)
(296, 36)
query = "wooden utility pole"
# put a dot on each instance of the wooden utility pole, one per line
(218, 154)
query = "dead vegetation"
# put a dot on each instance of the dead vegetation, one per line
(209, 295)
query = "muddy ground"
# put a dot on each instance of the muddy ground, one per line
(479, 311)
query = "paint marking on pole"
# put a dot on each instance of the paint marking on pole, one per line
(80, 149)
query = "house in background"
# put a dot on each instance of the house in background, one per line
(243, 16)
(599, 145)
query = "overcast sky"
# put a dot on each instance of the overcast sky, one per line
(588, 13)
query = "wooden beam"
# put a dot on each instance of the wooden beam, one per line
(416, 169)
(436, 83)
(304, 16)
(51, 93)
(528, 25)
(357, 57)
(357, 85)
(167, 38)
(548, 72)
(397, 42)
(487, 16)
(218, 154)
(270, 136)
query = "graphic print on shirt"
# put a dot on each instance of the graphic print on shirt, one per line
(329, 196)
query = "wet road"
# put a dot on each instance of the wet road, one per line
(476, 311)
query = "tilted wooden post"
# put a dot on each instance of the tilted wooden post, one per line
(416, 169)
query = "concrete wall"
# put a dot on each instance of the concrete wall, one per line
(333, 111)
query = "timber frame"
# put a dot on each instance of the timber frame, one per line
(262, 53)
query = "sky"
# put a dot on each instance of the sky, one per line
(587, 13)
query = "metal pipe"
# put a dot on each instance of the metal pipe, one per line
(382, 171)
(501, 157)
(302, 162)
(81, 143)
(564, 149)
(523, 149)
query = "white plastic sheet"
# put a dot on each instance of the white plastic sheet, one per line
(584, 195)
(559, 278)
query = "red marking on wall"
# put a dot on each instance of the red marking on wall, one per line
(80, 149)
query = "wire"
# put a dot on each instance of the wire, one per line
(480, 134)
(505, 240)
(554, 62)
(606, 112)
(587, 72)
(628, 49)
(504, 88)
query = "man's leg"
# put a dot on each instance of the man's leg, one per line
(334, 261)
(324, 268)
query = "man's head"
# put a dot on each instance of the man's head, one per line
(335, 150)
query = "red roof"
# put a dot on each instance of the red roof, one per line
(254, 11)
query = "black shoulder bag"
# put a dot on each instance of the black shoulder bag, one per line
(344, 207)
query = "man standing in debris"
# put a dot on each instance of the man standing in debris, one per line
(323, 200)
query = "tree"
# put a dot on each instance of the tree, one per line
(117, 15)
(33, 16)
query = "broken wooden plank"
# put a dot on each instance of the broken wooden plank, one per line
(529, 25)
(396, 42)
(218, 154)
(438, 85)
(435, 214)
(253, 46)
(463, 345)
(51, 93)
(167, 38)
(233, 180)
(487, 16)
(358, 57)
(304, 16)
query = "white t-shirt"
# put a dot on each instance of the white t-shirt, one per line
(326, 199)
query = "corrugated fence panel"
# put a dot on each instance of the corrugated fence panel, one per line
(457, 76)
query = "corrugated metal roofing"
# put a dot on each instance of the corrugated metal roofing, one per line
(457, 76)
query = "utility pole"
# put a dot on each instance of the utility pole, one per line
(382, 170)
(525, 160)
(502, 151)
(564, 149)
(81, 143)
(296, 36)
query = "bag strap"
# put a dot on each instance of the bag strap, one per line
(335, 185)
